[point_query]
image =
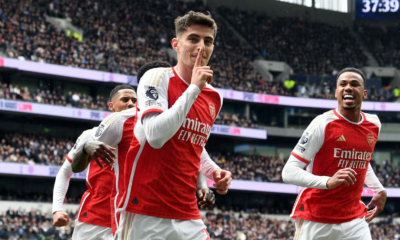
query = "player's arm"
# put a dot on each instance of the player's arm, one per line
(294, 173)
(160, 122)
(206, 195)
(380, 196)
(304, 152)
(61, 218)
(100, 146)
(210, 169)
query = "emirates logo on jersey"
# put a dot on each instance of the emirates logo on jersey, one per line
(370, 139)
(212, 110)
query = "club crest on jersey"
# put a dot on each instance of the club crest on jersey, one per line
(370, 139)
(212, 110)
(304, 138)
(99, 130)
(152, 93)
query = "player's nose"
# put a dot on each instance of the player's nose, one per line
(131, 104)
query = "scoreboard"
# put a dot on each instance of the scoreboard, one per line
(377, 9)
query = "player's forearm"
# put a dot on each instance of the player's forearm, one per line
(294, 173)
(160, 127)
(61, 186)
(207, 165)
(80, 160)
(372, 181)
(201, 182)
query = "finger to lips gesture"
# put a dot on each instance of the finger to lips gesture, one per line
(201, 74)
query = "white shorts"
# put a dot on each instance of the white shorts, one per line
(86, 231)
(141, 227)
(357, 229)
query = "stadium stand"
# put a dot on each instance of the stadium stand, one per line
(24, 224)
(308, 47)
(382, 43)
(105, 46)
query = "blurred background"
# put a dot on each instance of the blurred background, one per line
(275, 62)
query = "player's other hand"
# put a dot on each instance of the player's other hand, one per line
(207, 198)
(343, 176)
(99, 150)
(378, 201)
(201, 74)
(222, 179)
(60, 219)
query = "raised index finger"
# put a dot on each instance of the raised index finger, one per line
(199, 57)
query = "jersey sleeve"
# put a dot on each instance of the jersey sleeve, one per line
(311, 141)
(84, 137)
(110, 130)
(152, 91)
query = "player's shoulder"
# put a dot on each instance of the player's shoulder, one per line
(209, 86)
(373, 118)
(116, 117)
(155, 76)
(88, 133)
(322, 120)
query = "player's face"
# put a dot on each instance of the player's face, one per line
(126, 98)
(350, 91)
(188, 44)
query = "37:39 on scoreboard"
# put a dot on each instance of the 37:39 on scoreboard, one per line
(377, 9)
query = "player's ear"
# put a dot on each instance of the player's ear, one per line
(174, 44)
(365, 94)
(111, 106)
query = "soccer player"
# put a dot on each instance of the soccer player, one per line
(176, 110)
(336, 148)
(112, 139)
(93, 220)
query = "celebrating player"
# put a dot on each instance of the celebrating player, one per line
(177, 108)
(336, 148)
(111, 141)
(93, 220)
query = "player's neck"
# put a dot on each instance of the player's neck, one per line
(351, 115)
(184, 71)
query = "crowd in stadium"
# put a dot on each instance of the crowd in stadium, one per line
(108, 46)
(223, 225)
(33, 149)
(57, 96)
(33, 225)
(382, 43)
(236, 120)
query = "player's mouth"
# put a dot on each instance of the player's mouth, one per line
(348, 98)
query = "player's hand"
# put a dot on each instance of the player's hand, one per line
(378, 201)
(60, 219)
(207, 198)
(222, 179)
(343, 176)
(201, 74)
(99, 150)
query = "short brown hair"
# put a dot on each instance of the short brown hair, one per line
(194, 18)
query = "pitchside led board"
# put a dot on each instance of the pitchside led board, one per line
(378, 9)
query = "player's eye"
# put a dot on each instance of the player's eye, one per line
(193, 39)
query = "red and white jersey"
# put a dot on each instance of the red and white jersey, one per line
(116, 130)
(95, 203)
(162, 182)
(330, 143)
